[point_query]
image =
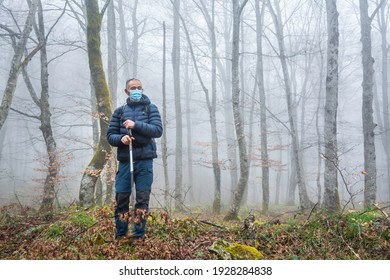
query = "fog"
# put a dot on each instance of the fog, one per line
(23, 156)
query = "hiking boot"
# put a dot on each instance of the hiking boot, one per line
(123, 240)
(133, 237)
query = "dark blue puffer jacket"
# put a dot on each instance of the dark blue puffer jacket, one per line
(147, 127)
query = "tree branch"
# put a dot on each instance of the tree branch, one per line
(104, 8)
(30, 56)
(376, 10)
(242, 7)
(25, 114)
(10, 31)
(58, 19)
(77, 17)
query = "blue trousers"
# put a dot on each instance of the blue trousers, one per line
(143, 179)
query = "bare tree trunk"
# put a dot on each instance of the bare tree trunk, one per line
(279, 173)
(243, 106)
(179, 200)
(238, 122)
(251, 124)
(135, 45)
(263, 114)
(331, 193)
(303, 197)
(319, 142)
(16, 65)
(124, 41)
(42, 103)
(164, 148)
(187, 90)
(211, 104)
(225, 72)
(292, 180)
(103, 151)
(112, 57)
(385, 89)
(45, 118)
(367, 110)
(112, 76)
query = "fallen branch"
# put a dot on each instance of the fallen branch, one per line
(214, 225)
(342, 239)
(377, 209)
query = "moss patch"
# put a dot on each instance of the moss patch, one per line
(227, 251)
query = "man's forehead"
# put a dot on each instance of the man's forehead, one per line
(134, 83)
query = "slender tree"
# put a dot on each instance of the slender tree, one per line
(331, 196)
(164, 143)
(383, 29)
(303, 197)
(263, 114)
(187, 89)
(135, 44)
(238, 122)
(104, 107)
(124, 49)
(17, 64)
(210, 101)
(42, 102)
(225, 72)
(179, 200)
(112, 60)
(367, 108)
(112, 76)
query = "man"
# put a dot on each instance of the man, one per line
(142, 119)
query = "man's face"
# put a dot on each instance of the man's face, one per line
(134, 84)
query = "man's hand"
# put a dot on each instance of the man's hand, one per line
(129, 124)
(126, 139)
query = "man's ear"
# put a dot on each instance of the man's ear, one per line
(126, 91)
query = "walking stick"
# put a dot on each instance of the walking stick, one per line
(131, 162)
(132, 195)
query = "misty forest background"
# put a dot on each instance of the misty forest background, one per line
(264, 103)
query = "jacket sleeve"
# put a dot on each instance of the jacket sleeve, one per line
(152, 129)
(114, 135)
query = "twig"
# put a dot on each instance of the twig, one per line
(312, 210)
(377, 209)
(381, 209)
(211, 224)
(201, 244)
(289, 212)
(344, 180)
(342, 239)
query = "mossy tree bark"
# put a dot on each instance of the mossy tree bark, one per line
(104, 107)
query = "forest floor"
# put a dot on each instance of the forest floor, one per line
(76, 233)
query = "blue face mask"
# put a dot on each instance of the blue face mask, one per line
(135, 95)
